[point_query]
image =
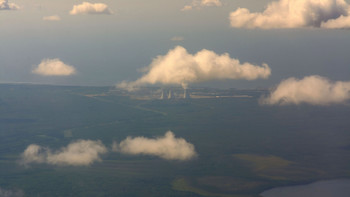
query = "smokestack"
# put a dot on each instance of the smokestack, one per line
(162, 96)
(186, 94)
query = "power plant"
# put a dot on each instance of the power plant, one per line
(169, 94)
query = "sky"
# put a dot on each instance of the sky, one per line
(112, 44)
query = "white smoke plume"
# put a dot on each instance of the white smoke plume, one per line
(54, 67)
(11, 193)
(52, 18)
(166, 147)
(79, 153)
(295, 14)
(178, 67)
(314, 90)
(203, 3)
(90, 8)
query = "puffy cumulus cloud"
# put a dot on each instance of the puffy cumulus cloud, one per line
(179, 67)
(203, 3)
(54, 67)
(11, 193)
(295, 14)
(90, 8)
(314, 90)
(5, 5)
(167, 147)
(52, 18)
(79, 153)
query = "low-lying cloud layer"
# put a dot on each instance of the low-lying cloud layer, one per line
(166, 147)
(52, 18)
(5, 5)
(79, 153)
(90, 8)
(203, 3)
(295, 14)
(178, 67)
(314, 90)
(54, 67)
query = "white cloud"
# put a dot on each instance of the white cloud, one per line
(34, 154)
(211, 3)
(5, 5)
(187, 7)
(343, 22)
(314, 90)
(54, 67)
(90, 8)
(177, 38)
(167, 147)
(295, 14)
(178, 67)
(11, 193)
(52, 18)
(203, 3)
(79, 153)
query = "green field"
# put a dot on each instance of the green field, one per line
(243, 148)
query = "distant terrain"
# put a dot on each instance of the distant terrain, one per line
(243, 148)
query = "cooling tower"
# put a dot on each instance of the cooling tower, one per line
(170, 95)
(186, 94)
(162, 97)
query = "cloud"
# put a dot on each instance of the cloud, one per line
(203, 3)
(11, 193)
(79, 153)
(295, 14)
(166, 147)
(177, 38)
(314, 90)
(34, 154)
(90, 8)
(187, 7)
(52, 18)
(343, 22)
(54, 67)
(178, 67)
(5, 5)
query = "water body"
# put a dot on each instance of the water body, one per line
(332, 188)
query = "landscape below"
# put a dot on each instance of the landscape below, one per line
(243, 148)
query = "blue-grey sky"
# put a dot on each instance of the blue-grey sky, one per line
(106, 49)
